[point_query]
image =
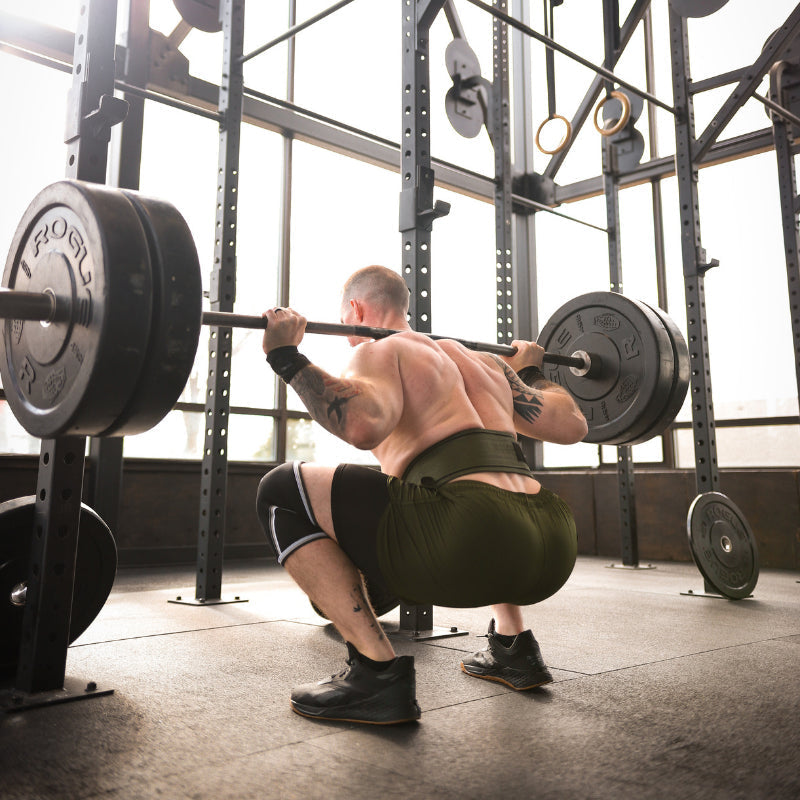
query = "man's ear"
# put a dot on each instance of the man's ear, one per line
(357, 309)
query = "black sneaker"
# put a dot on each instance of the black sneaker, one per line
(362, 694)
(519, 666)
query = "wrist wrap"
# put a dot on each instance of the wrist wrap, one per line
(286, 362)
(530, 375)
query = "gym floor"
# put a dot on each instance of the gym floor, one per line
(656, 695)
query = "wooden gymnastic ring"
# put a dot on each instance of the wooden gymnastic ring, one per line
(563, 143)
(623, 120)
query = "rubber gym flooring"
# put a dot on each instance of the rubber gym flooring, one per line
(656, 695)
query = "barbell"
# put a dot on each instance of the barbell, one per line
(102, 315)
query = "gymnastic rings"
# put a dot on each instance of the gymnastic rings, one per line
(563, 143)
(624, 117)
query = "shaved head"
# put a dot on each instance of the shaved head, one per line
(379, 286)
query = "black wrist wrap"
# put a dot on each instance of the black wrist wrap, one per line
(286, 362)
(530, 375)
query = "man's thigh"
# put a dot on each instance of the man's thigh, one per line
(348, 502)
(317, 480)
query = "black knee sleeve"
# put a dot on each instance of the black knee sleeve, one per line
(285, 511)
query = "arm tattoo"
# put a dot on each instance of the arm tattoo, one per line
(325, 397)
(527, 400)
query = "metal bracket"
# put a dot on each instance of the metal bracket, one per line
(168, 66)
(417, 206)
(200, 601)
(416, 624)
(711, 595)
(703, 262)
(426, 216)
(536, 187)
(111, 111)
(14, 701)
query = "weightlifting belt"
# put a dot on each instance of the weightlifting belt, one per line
(465, 452)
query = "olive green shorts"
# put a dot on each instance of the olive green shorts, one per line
(470, 544)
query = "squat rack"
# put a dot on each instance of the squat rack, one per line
(93, 111)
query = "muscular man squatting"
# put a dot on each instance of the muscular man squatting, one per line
(454, 518)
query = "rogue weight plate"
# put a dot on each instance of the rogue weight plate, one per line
(722, 545)
(681, 378)
(73, 376)
(632, 364)
(176, 317)
(95, 569)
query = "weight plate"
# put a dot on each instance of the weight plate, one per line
(84, 243)
(464, 111)
(461, 60)
(95, 569)
(696, 8)
(632, 364)
(200, 14)
(629, 151)
(176, 317)
(722, 545)
(680, 380)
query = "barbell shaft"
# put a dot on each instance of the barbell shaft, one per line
(226, 319)
(42, 306)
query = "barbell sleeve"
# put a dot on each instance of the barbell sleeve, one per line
(43, 306)
(27, 305)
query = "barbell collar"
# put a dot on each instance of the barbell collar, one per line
(586, 366)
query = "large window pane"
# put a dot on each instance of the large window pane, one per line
(34, 156)
(749, 336)
(760, 446)
(59, 13)
(257, 254)
(178, 436)
(13, 438)
(348, 64)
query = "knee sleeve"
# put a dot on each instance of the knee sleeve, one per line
(285, 511)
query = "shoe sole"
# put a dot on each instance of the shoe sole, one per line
(312, 713)
(498, 679)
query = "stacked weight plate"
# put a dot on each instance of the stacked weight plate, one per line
(640, 365)
(95, 569)
(125, 275)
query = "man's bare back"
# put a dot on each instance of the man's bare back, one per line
(445, 389)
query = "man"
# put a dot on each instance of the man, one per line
(454, 518)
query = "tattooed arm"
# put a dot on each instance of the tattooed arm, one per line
(349, 408)
(363, 406)
(544, 410)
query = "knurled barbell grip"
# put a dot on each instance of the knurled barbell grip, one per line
(42, 306)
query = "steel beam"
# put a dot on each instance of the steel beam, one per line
(222, 294)
(695, 263)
